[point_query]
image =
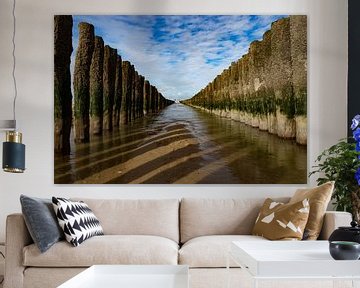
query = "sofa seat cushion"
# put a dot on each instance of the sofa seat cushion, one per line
(211, 251)
(107, 249)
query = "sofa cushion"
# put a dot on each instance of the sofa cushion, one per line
(107, 249)
(319, 198)
(158, 217)
(48, 277)
(41, 221)
(200, 217)
(76, 220)
(279, 221)
(211, 251)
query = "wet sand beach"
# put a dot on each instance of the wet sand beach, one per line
(183, 145)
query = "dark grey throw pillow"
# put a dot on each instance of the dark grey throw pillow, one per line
(41, 221)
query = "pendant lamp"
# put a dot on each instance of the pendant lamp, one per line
(13, 149)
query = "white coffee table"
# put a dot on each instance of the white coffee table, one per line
(292, 260)
(131, 276)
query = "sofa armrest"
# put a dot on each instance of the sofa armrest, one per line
(333, 220)
(17, 237)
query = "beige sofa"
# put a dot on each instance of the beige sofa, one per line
(194, 232)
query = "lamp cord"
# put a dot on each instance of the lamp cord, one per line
(14, 60)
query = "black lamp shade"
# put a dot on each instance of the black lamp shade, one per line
(13, 157)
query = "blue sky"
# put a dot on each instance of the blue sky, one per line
(178, 54)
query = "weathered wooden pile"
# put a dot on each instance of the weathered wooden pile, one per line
(267, 87)
(108, 92)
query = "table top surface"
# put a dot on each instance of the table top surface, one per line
(286, 250)
(291, 258)
(131, 276)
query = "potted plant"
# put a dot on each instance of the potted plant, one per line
(341, 163)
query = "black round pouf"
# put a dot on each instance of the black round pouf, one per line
(343, 250)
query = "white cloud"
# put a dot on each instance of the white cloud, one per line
(179, 54)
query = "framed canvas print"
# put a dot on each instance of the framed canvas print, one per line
(180, 99)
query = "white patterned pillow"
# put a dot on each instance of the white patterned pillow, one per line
(77, 220)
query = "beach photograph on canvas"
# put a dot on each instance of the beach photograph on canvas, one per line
(180, 99)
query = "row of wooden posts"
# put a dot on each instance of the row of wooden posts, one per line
(108, 92)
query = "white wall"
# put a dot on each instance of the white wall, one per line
(327, 89)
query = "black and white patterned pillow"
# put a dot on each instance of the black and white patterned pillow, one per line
(77, 220)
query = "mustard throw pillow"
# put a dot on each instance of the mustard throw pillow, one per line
(279, 221)
(319, 198)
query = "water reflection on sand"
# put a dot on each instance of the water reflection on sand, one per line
(184, 145)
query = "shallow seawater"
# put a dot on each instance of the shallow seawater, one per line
(184, 145)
